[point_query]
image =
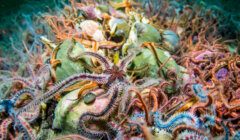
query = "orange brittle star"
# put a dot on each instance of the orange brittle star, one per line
(127, 4)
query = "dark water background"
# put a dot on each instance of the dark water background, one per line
(11, 9)
(13, 6)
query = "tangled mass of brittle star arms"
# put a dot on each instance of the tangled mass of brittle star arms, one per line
(19, 120)
(124, 70)
(111, 76)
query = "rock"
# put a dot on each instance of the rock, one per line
(68, 67)
(140, 33)
(45, 133)
(147, 57)
(118, 27)
(69, 110)
(170, 40)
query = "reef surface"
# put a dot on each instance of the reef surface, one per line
(120, 69)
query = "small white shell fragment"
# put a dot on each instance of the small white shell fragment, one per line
(89, 27)
(93, 29)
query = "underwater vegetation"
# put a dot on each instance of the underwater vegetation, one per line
(121, 69)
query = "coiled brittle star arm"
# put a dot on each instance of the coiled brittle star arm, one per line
(175, 120)
(106, 64)
(4, 128)
(31, 116)
(17, 95)
(23, 81)
(59, 87)
(124, 63)
(91, 116)
(7, 106)
(24, 127)
(226, 104)
(180, 128)
(199, 92)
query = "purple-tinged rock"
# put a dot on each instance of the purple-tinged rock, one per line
(221, 73)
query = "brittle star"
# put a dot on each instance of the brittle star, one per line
(175, 120)
(116, 81)
(91, 116)
(7, 106)
(111, 73)
(115, 72)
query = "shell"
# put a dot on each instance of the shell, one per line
(89, 27)
(93, 29)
